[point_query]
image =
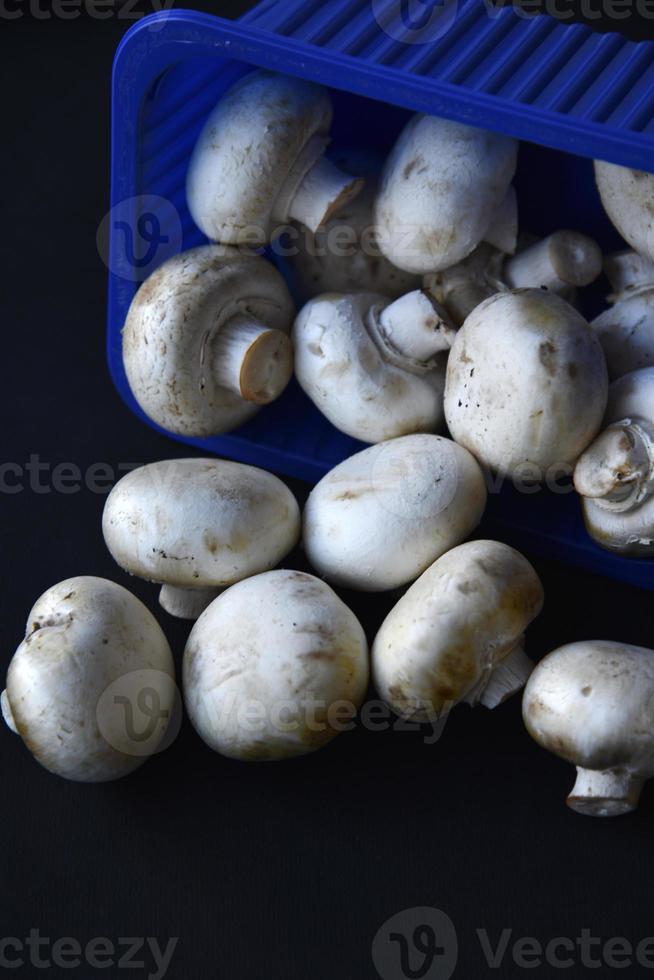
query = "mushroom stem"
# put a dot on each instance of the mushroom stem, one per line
(462, 287)
(509, 677)
(618, 467)
(503, 230)
(252, 360)
(628, 270)
(565, 259)
(324, 190)
(7, 713)
(415, 328)
(186, 603)
(605, 794)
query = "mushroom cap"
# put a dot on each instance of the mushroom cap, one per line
(381, 517)
(592, 704)
(628, 199)
(200, 522)
(626, 333)
(173, 322)
(84, 636)
(344, 257)
(265, 663)
(631, 397)
(628, 531)
(250, 145)
(526, 383)
(345, 374)
(453, 627)
(441, 187)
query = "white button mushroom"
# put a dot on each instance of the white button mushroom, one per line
(628, 199)
(560, 263)
(526, 384)
(197, 526)
(91, 655)
(344, 256)
(443, 186)
(457, 635)
(259, 162)
(381, 517)
(274, 668)
(626, 329)
(626, 332)
(462, 287)
(206, 343)
(374, 368)
(615, 475)
(591, 703)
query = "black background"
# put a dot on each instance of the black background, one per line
(264, 872)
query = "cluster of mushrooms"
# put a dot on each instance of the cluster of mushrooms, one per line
(442, 314)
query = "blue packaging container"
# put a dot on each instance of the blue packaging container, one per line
(570, 93)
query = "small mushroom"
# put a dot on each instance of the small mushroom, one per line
(198, 526)
(628, 199)
(206, 343)
(91, 654)
(274, 668)
(259, 162)
(457, 635)
(461, 288)
(615, 475)
(373, 367)
(444, 189)
(344, 256)
(560, 263)
(626, 332)
(381, 517)
(626, 329)
(591, 704)
(626, 270)
(526, 385)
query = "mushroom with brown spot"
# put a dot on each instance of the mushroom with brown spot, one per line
(591, 703)
(615, 475)
(457, 635)
(260, 162)
(444, 189)
(92, 658)
(526, 385)
(373, 367)
(197, 526)
(206, 340)
(379, 519)
(274, 668)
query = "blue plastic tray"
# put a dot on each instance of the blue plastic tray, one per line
(560, 86)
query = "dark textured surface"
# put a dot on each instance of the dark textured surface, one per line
(263, 872)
